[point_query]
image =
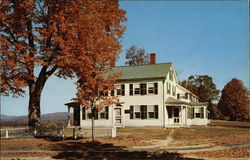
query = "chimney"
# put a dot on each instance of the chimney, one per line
(152, 58)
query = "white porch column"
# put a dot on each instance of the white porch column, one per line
(68, 116)
(80, 116)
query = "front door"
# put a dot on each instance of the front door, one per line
(118, 117)
(176, 115)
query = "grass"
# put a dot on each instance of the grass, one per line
(230, 123)
(151, 132)
(219, 133)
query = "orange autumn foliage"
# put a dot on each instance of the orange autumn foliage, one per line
(67, 38)
(234, 101)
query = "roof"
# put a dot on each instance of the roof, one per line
(171, 100)
(186, 90)
(147, 71)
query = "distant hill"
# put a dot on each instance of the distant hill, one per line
(56, 117)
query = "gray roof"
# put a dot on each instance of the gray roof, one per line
(147, 71)
(171, 100)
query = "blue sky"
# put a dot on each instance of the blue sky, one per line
(198, 37)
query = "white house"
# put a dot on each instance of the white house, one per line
(149, 95)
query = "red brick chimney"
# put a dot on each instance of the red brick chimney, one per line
(152, 58)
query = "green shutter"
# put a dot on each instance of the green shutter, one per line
(156, 88)
(83, 113)
(143, 112)
(131, 112)
(123, 89)
(156, 111)
(130, 89)
(192, 113)
(107, 112)
(143, 87)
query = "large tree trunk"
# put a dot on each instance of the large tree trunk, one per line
(35, 91)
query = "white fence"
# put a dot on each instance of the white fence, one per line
(99, 132)
(15, 132)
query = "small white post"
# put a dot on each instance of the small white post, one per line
(6, 134)
(113, 132)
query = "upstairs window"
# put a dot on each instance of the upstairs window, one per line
(168, 88)
(144, 112)
(137, 89)
(153, 88)
(120, 90)
(171, 75)
(178, 96)
(173, 90)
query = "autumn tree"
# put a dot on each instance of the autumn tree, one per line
(39, 38)
(136, 56)
(202, 86)
(205, 89)
(234, 101)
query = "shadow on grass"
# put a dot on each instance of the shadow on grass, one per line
(71, 150)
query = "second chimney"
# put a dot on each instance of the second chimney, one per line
(152, 58)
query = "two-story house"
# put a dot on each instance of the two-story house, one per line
(149, 95)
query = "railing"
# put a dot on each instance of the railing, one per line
(99, 132)
(15, 132)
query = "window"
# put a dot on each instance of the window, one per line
(153, 111)
(153, 88)
(137, 89)
(197, 115)
(190, 113)
(171, 76)
(120, 89)
(144, 112)
(168, 88)
(104, 113)
(186, 95)
(137, 111)
(174, 90)
(178, 96)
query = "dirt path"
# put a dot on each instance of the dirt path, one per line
(163, 145)
(159, 143)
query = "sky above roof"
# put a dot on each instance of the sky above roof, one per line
(198, 37)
